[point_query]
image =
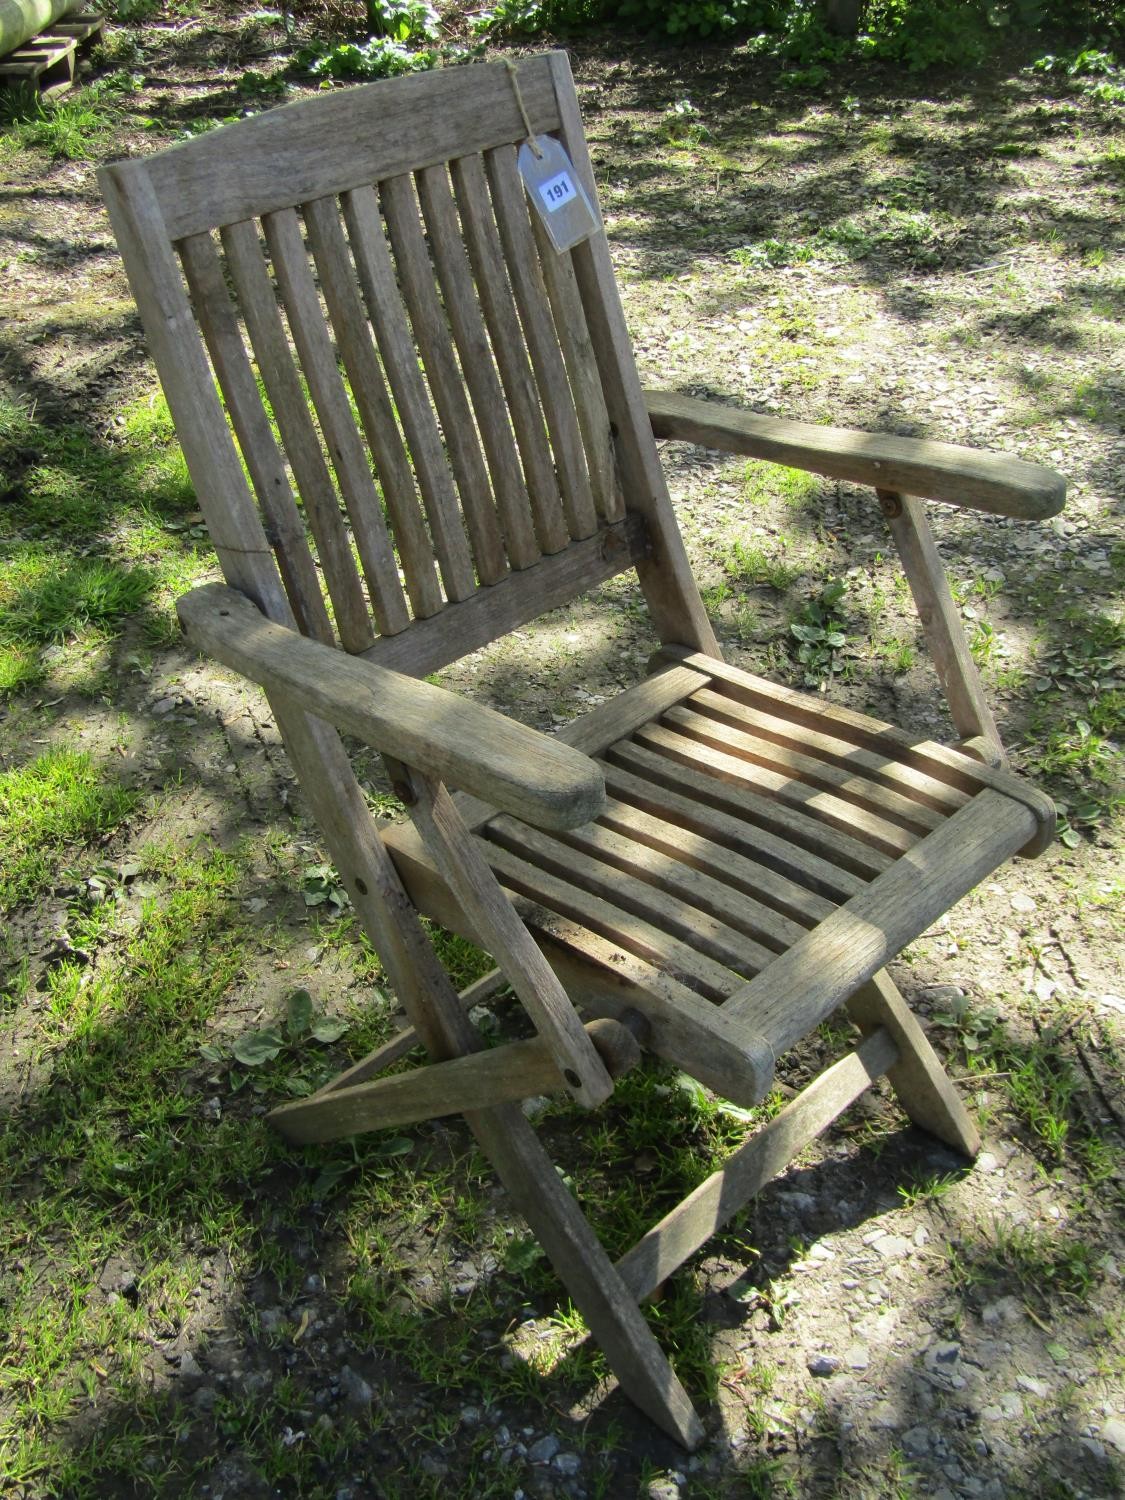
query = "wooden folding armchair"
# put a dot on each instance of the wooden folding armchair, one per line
(413, 426)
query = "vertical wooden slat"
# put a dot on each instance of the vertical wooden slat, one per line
(388, 318)
(173, 339)
(487, 260)
(353, 339)
(318, 361)
(510, 205)
(455, 279)
(432, 334)
(670, 589)
(266, 466)
(298, 434)
(582, 367)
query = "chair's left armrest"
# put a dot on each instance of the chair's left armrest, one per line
(913, 466)
(508, 765)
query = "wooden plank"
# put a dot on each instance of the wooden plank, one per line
(941, 619)
(634, 888)
(666, 576)
(685, 962)
(432, 334)
(487, 258)
(921, 1084)
(47, 64)
(741, 739)
(939, 761)
(517, 1070)
(455, 278)
(713, 856)
(705, 1210)
(528, 773)
(516, 600)
(812, 819)
(353, 340)
(510, 206)
(936, 471)
(400, 360)
(173, 338)
(349, 460)
(345, 139)
(755, 826)
(582, 368)
(611, 841)
(462, 865)
(284, 526)
(298, 434)
(830, 748)
(807, 983)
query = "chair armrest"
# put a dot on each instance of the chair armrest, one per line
(915, 466)
(515, 768)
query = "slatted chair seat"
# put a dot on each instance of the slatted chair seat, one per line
(413, 426)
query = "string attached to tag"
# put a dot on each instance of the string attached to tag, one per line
(551, 182)
(513, 74)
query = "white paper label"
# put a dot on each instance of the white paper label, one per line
(558, 191)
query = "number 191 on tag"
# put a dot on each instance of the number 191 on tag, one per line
(558, 191)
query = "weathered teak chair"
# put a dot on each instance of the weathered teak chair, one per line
(709, 865)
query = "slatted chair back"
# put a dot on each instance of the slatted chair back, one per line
(437, 413)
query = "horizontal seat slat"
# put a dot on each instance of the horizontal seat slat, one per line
(813, 819)
(583, 863)
(713, 856)
(823, 745)
(714, 981)
(866, 795)
(698, 802)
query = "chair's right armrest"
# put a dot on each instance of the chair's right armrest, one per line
(507, 764)
(913, 466)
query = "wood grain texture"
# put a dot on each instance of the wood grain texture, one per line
(467, 322)
(265, 465)
(935, 471)
(804, 986)
(941, 619)
(277, 367)
(424, 726)
(703, 1212)
(922, 1086)
(582, 368)
(940, 761)
(349, 459)
(400, 360)
(665, 575)
(431, 331)
(510, 206)
(517, 1070)
(461, 862)
(342, 140)
(487, 257)
(369, 392)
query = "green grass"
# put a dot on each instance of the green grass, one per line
(46, 808)
(92, 532)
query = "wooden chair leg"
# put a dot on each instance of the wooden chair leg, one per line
(586, 1271)
(922, 1086)
(505, 1136)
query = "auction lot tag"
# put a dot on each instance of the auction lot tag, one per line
(556, 193)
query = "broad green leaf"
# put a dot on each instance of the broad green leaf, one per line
(256, 1047)
(328, 1029)
(298, 1014)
